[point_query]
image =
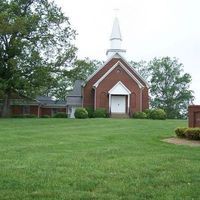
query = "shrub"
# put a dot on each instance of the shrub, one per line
(60, 115)
(180, 132)
(24, 116)
(81, 113)
(157, 114)
(30, 116)
(90, 111)
(189, 133)
(139, 115)
(45, 116)
(17, 116)
(100, 113)
(148, 113)
(192, 133)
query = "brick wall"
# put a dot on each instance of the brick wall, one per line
(16, 110)
(194, 116)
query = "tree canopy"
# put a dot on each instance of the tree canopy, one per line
(81, 69)
(169, 85)
(142, 68)
(36, 46)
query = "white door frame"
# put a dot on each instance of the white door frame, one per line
(121, 90)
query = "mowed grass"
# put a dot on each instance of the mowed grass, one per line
(95, 159)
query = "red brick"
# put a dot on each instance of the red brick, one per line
(194, 116)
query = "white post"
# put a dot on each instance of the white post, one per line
(128, 103)
(110, 103)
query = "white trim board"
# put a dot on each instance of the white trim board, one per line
(124, 89)
(125, 69)
(116, 55)
(135, 71)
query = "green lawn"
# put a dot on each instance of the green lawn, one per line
(95, 159)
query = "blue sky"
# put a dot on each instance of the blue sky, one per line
(149, 29)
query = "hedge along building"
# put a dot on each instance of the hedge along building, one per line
(115, 86)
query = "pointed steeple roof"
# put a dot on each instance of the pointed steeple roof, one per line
(115, 40)
(116, 33)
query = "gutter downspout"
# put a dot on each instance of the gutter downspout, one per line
(109, 104)
(82, 95)
(141, 89)
(95, 106)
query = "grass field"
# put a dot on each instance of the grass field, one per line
(95, 159)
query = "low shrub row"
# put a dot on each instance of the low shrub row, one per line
(57, 115)
(139, 115)
(24, 116)
(82, 113)
(90, 111)
(60, 115)
(150, 114)
(180, 132)
(45, 116)
(100, 113)
(189, 133)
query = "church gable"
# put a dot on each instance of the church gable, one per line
(107, 84)
(101, 71)
(115, 60)
(120, 67)
(118, 74)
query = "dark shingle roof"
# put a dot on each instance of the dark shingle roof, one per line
(77, 90)
(75, 96)
(43, 98)
(48, 101)
(74, 101)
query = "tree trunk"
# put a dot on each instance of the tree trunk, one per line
(6, 105)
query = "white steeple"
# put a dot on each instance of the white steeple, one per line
(115, 39)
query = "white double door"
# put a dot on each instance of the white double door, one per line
(118, 104)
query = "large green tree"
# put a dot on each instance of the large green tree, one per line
(170, 86)
(35, 47)
(81, 69)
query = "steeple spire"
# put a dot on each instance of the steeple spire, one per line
(115, 39)
(116, 33)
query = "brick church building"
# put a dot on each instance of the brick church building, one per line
(115, 86)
